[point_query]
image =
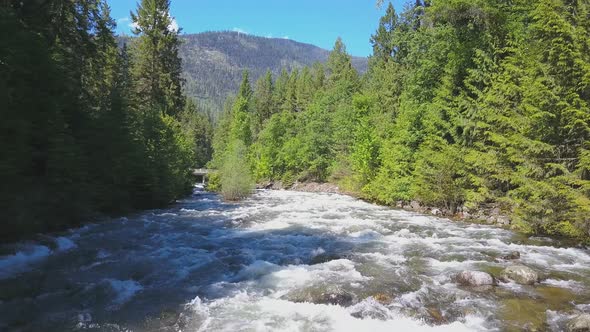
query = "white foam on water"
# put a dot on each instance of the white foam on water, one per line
(317, 251)
(292, 277)
(405, 233)
(366, 235)
(167, 214)
(257, 269)
(246, 313)
(199, 311)
(124, 289)
(383, 259)
(64, 244)
(453, 264)
(23, 260)
(413, 299)
(557, 321)
(570, 284)
(275, 232)
(248, 263)
(516, 288)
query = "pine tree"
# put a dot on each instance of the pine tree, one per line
(383, 40)
(245, 90)
(263, 100)
(157, 67)
(240, 128)
(290, 100)
(340, 68)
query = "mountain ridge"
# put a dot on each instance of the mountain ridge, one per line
(213, 62)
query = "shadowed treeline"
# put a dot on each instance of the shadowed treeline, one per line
(87, 127)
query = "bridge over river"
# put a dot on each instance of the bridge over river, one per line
(201, 174)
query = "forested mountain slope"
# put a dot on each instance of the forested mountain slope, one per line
(213, 62)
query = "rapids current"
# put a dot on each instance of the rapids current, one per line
(284, 261)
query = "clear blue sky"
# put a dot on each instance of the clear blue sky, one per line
(317, 22)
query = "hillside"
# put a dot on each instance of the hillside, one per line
(213, 61)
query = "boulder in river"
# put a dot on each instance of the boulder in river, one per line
(520, 274)
(580, 323)
(475, 278)
(512, 255)
(339, 298)
(334, 296)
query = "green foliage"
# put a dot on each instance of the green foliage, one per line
(365, 152)
(466, 104)
(157, 66)
(197, 127)
(214, 181)
(87, 127)
(236, 181)
(384, 44)
(439, 176)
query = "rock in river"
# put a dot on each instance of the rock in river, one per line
(512, 255)
(520, 274)
(334, 296)
(474, 278)
(323, 258)
(580, 323)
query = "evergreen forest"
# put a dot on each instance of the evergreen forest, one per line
(466, 105)
(89, 128)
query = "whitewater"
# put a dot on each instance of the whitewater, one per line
(285, 261)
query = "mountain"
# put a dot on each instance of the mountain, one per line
(213, 61)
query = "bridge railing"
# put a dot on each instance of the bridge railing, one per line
(201, 171)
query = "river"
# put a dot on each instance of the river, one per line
(284, 261)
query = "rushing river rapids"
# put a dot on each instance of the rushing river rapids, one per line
(284, 261)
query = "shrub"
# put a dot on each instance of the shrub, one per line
(236, 177)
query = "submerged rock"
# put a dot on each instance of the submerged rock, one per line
(530, 327)
(383, 298)
(168, 318)
(475, 278)
(323, 258)
(523, 314)
(338, 298)
(580, 323)
(328, 296)
(520, 274)
(436, 316)
(512, 255)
